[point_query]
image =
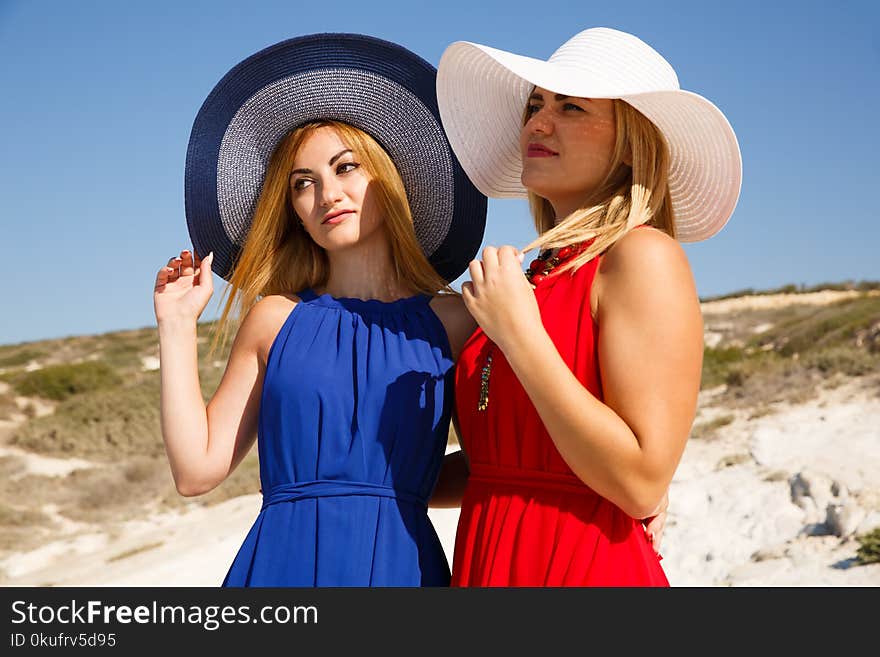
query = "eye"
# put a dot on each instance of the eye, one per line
(300, 184)
(572, 106)
(531, 109)
(345, 167)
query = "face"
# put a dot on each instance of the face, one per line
(567, 146)
(330, 192)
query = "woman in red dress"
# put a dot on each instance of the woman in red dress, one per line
(575, 396)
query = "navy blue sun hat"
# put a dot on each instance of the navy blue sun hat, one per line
(376, 86)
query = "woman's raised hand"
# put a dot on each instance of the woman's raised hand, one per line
(500, 298)
(183, 287)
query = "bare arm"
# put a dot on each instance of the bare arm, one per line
(203, 444)
(453, 479)
(650, 352)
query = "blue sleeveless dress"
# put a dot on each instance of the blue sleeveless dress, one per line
(353, 424)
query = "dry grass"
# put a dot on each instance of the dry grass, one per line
(10, 467)
(733, 459)
(8, 407)
(707, 430)
(138, 550)
(22, 525)
(799, 349)
(95, 495)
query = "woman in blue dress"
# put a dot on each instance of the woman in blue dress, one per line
(320, 185)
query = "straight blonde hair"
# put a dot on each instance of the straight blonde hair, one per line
(629, 196)
(280, 257)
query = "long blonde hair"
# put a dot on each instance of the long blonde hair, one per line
(278, 255)
(629, 195)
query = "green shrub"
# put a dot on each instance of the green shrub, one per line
(124, 349)
(104, 425)
(718, 363)
(19, 356)
(869, 547)
(791, 288)
(59, 382)
(845, 360)
(835, 325)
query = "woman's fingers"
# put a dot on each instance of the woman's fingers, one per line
(175, 268)
(475, 268)
(509, 254)
(164, 276)
(187, 264)
(172, 269)
(204, 277)
(183, 265)
(490, 261)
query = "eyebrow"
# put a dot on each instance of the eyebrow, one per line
(332, 160)
(557, 97)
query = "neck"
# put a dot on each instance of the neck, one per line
(562, 207)
(365, 271)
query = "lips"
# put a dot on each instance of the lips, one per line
(337, 216)
(539, 150)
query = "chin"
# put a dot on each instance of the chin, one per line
(542, 185)
(338, 238)
(340, 244)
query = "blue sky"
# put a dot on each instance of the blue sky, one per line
(98, 99)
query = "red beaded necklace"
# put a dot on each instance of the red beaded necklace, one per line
(538, 270)
(541, 266)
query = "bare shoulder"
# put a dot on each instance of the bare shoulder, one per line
(261, 324)
(643, 249)
(456, 319)
(644, 262)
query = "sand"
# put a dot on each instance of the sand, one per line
(728, 525)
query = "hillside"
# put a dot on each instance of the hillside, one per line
(779, 479)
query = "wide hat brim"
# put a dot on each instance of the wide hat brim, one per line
(483, 91)
(380, 87)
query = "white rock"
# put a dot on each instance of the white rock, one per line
(149, 363)
(869, 523)
(843, 519)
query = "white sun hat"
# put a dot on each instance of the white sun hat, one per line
(482, 93)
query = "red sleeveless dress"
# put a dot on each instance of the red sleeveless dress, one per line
(526, 519)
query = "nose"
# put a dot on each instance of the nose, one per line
(540, 123)
(331, 192)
